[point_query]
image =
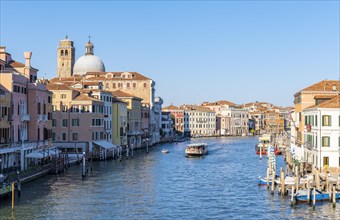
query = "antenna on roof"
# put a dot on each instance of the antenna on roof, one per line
(66, 37)
(89, 38)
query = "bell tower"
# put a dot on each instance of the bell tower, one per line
(66, 54)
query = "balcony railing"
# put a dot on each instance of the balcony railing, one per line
(25, 117)
(308, 145)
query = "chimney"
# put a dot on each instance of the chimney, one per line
(3, 53)
(27, 56)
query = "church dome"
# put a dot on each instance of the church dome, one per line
(88, 63)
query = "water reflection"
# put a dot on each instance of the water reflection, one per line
(222, 185)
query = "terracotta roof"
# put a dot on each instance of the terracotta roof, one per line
(221, 102)
(324, 85)
(84, 97)
(14, 63)
(57, 86)
(136, 76)
(171, 107)
(121, 94)
(117, 100)
(91, 83)
(75, 78)
(196, 107)
(324, 96)
(333, 103)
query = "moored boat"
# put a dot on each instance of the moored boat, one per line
(302, 195)
(263, 145)
(198, 149)
(165, 151)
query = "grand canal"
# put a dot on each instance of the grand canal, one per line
(221, 185)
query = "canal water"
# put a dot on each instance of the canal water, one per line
(221, 185)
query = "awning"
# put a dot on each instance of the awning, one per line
(39, 154)
(105, 144)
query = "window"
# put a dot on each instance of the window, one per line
(75, 122)
(113, 85)
(75, 136)
(145, 85)
(326, 120)
(64, 109)
(54, 108)
(325, 141)
(53, 136)
(63, 96)
(63, 136)
(62, 53)
(39, 108)
(134, 85)
(325, 161)
(128, 85)
(66, 52)
(44, 108)
(54, 122)
(74, 108)
(64, 122)
(316, 120)
(49, 99)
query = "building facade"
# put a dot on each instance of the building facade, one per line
(29, 114)
(321, 147)
(303, 99)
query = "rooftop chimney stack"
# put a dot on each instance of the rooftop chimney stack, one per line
(28, 56)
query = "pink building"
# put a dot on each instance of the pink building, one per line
(29, 113)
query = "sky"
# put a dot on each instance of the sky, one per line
(195, 51)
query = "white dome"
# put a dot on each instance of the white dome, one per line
(88, 63)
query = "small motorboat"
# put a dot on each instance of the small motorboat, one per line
(165, 151)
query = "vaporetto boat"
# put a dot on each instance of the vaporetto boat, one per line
(197, 149)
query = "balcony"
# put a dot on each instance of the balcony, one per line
(25, 117)
(308, 145)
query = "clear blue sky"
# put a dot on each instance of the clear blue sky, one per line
(195, 51)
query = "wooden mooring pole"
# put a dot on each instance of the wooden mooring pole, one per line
(13, 189)
(292, 197)
(308, 192)
(333, 197)
(273, 181)
(282, 180)
(314, 197)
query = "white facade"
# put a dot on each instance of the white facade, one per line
(202, 121)
(106, 97)
(167, 125)
(322, 137)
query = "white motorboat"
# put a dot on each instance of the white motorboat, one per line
(165, 151)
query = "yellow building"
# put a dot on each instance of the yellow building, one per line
(119, 122)
(274, 121)
(5, 105)
(134, 118)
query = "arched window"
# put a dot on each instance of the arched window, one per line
(62, 53)
(66, 52)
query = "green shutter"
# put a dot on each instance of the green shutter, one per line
(330, 120)
(316, 120)
(323, 120)
(328, 141)
(322, 140)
